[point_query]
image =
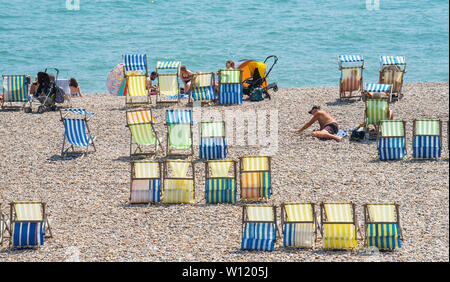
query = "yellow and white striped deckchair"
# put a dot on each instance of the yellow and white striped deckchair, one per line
(136, 87)
(143, 133)
(219, 186)
(382, 225)
(145, 182)
(168, 84)
(16, 92)
(202, 87)
(255, 174)
(179, 185)
(298, 221)
(29, 224)
(338, 225)
(392, 70)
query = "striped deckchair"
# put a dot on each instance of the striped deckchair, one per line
(145, 182)
(427, 138)
(76, 130)
(392, 140)
(135, 63)
(338, 225)
(16, 93)
(29, 224)
(259, 227)
(136, 88)
(168, 82)
(220, 187)
(141, 124)
(382, 225)
(179, 184)
(376, 111)
(298, 221)
(230, 87)
(392, 70)
(255, 177)
(372, 90)
(351, 67)
(202, 87)
(179, 132)
(212, 142)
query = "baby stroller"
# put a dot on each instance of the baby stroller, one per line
(48, 93)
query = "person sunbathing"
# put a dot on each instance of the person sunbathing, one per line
(186, 76)
(328, 125)
(153, 88)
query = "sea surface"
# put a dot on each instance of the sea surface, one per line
(87, 40)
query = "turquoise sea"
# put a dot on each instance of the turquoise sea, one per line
(86, 41)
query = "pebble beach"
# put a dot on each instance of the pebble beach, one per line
(88, 197)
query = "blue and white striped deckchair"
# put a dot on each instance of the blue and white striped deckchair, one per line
(76, 130)
(168, 83)
(29, 223)
(145, 182)
(259, 227)
(212, 141)
(392, 140)
(427, 138)
(230, 87)
(179, 132)
(15, 90)
(298, 221)
(220, 187)
(202, 87)
(135, 63)
(351, 67)
(371, 90)
(382, 225)
(392, 70)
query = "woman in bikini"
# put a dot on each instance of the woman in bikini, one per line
(75, 90)
(186, 76)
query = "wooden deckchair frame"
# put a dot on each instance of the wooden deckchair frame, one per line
(342, 93)
(29, 99)
(246, 220)
(191, 90)
(369, 220)
(166, 175)
(324, 215)
(63, 153)
(402, 136)
(138, 147)
(220, 82)
(44, 221)
(133, 175)
(242, 171)
(208, 176)
(284, 216)
(130, 103)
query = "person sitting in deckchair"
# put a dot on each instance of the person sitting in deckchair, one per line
(328, 125)
(153, 88)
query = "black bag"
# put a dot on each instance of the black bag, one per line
(357, 135)
(60, 95)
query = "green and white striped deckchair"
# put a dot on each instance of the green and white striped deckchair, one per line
(141, 125)
(179, 133)
(15, 92)
(230, 87)
(212, 143)
(427, 138)
(168, 84)
(392, 140)
(376, 111)
(136, 87)
(382, 226)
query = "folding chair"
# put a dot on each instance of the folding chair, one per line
(376, 111)
(351, 80)
(392, 140)
(392, 70)
(230, 87)
(220, 187)
(382, 226)
(258, 227)
(136, 87)
(168, 83)
(255, 177)
(202, 87)
(338, 225)
(179, 133)
(143, 133)
(377, 91)
(15, 92)
(64, 84)
(76, 130)
(299, 225)
(135, 63)
(3, 225)
(145, 182)
(212, 142)
(427, 138)
(178, 182)
(29, 224)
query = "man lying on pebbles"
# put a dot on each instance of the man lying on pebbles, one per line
(328, 125)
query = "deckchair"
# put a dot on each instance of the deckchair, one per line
(64, 84)
(3, 225)
(29, 224)
(136, 87)
(168, 83)
(338, 225)
(212, 142)
(372, 90)
(255, 177)
(202, 87)
(230, 87)
(16, 93)
(427, 138)
(135, 63)
(220, 187)
(141, 124)
(392, 70)
(258, 227)
(299, 225)
(179, 133)
(392, 140)
(376, 111)
(351, 80)
(76, 129)
(145, 182)
(178, 182)
(382, 226)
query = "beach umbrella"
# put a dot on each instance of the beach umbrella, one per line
(115, 79)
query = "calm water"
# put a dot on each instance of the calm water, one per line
(306, 35)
